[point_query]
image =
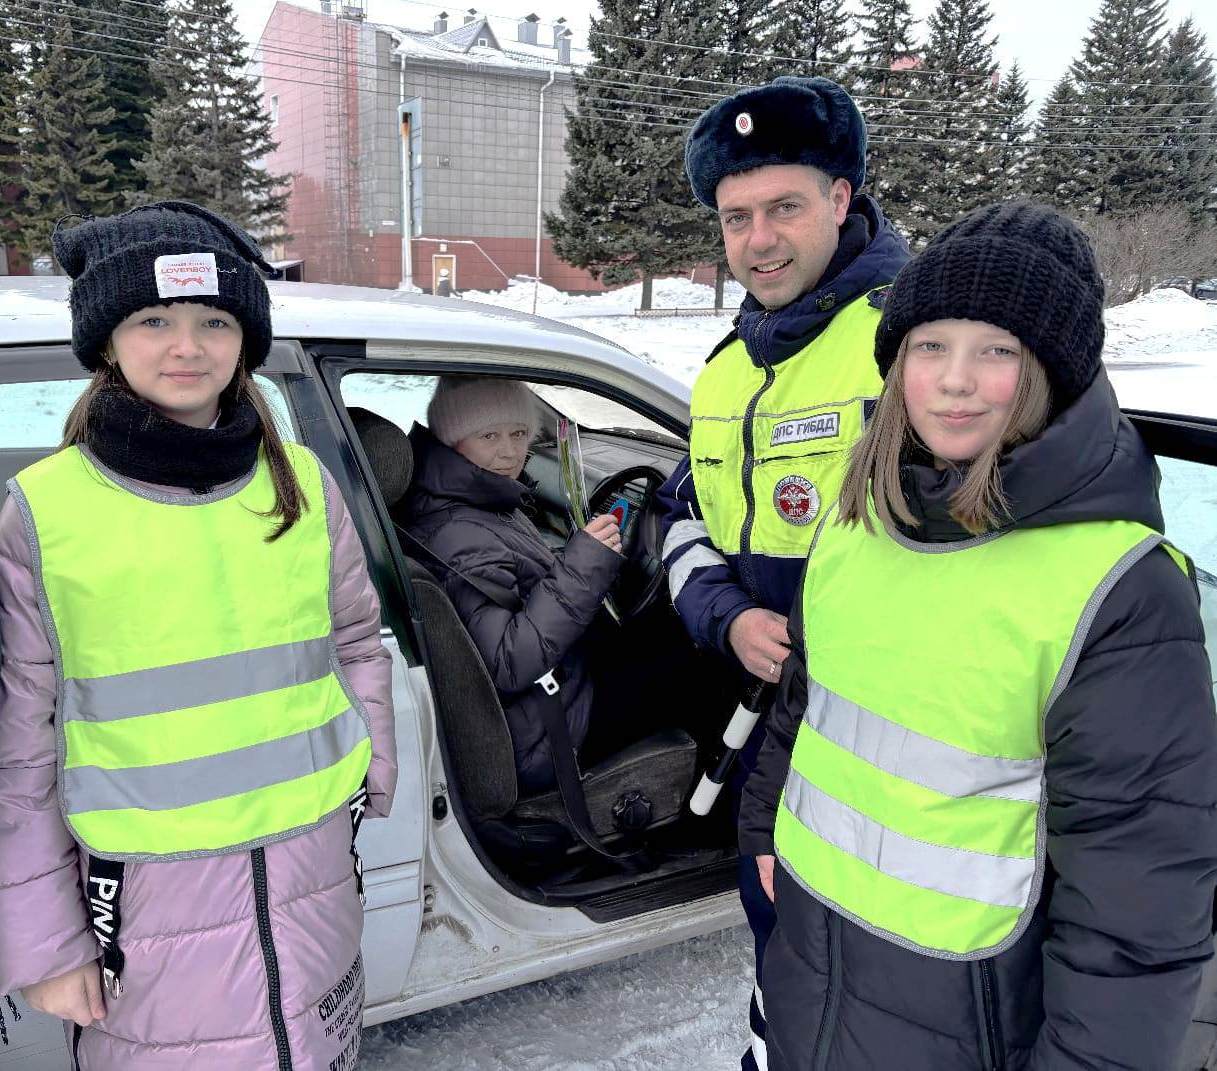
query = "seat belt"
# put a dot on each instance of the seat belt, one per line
(553, 721)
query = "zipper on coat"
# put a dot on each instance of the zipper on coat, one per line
(990, 1028)
(745, 539)
(271, 958)
(832, 996)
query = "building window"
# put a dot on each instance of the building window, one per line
(274, 108)
(483, 43)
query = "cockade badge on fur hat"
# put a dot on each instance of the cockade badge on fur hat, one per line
(155, 255)
(810, 121)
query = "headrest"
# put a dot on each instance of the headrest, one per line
(388, 450)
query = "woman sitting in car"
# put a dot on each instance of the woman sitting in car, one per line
(466, 505)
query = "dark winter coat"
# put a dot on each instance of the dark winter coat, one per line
(1109, 968)
(472, 519)
(869, 254)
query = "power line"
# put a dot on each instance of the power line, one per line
(682, 128)
(892, 102)
(919, 72)
(1149, 124)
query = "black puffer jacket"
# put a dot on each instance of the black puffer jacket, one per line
(1108, 971)
(471, 519)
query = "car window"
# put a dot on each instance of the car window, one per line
(34, 413)
(1189, 504)
(403, 398)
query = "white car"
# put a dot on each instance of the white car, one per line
(471, 889)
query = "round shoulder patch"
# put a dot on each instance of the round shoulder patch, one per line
(796, 500)
(743, 123)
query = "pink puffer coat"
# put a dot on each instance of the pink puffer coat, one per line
(231, 962)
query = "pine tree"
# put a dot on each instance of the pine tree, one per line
(132, 38)
(1192, 106)
(626, 210)
(817, 35)
(950, 174)
(209, 130)
(66, 170)
(1010, 165)
(887, 52)
(1118, 76)
(1058, 174)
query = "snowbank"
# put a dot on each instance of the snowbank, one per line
(557, 304)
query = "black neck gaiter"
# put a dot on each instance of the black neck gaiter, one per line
(128, 435)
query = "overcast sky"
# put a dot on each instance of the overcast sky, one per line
(1044, 35)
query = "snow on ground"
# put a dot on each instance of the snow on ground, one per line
(682, 1007)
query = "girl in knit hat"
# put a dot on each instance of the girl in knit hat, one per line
(990, 781)
(466, 505)
(195, 706)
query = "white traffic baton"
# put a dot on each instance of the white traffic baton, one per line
(735, 736)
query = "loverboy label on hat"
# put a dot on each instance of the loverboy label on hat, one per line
(186, 274)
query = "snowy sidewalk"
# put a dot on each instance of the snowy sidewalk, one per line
(682, 1007)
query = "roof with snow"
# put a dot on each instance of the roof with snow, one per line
(460, 44)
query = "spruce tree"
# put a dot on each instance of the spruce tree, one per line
(626, 210)
(1010, 164)
(1119, 76)
(15, 78)
(740, 57)
(812, 37)
(1191, 140)
(209, 129)
(66, 167)
(951, 174)
(1058, 173)
(887, 93)
(132, 38)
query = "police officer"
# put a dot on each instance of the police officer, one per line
(785, 395)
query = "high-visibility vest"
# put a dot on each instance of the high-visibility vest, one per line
(769, 446)
(914, 803)
(201, 708)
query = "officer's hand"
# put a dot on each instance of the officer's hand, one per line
(764, 866)
(760, 641)
(604, 529)
(75, 995)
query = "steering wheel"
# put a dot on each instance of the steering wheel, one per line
(641, 580)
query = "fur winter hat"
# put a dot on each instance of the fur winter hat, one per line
(155, 255)
(1021, 266)
(463, 406)
(810, 121)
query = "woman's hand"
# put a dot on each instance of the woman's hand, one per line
(764, 865)
(75, 995)
(604, 530)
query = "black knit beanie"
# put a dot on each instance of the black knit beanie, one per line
(1021, 266)
(155, 255)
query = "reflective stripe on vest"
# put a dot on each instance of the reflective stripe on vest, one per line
(788, 443)
(201, 708)
(914, 801)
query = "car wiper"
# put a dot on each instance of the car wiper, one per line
(657, 437)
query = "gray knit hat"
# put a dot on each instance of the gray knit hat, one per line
(462, 406)
(158, 254)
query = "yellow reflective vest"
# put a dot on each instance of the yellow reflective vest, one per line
(914, 804)
(200, 705)
(769, 445)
